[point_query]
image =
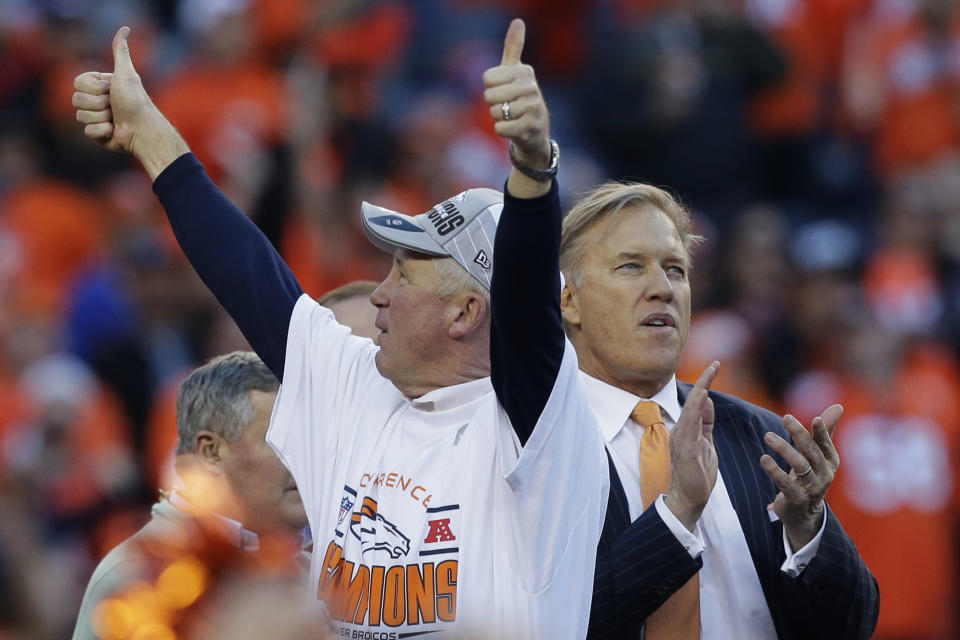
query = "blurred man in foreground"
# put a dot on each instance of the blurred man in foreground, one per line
(719, 555)
(234, 486)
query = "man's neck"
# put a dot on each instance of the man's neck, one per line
(637, 385)
(461, 370)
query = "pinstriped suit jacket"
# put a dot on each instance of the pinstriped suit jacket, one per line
(640, 564)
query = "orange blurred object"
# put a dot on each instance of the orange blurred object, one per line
(222, 110)
(908, 88)
(60, 229)
(896, 492)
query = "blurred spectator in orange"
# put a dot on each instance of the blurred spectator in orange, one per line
(55, 228)
(870, 345)
(233, 485)
(805, 156)
(901, 277)
(69, 447)
(897, 491)
(811, 33)
(902, 79)
(226, 98)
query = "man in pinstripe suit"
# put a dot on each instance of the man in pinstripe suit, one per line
(749, 552)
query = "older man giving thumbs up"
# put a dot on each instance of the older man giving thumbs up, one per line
(453, 477)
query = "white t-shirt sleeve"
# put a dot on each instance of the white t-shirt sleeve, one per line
(328, 376)
(559, 480)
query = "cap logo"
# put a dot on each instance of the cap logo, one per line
(445, 217)
(395, 222)
(483, 260)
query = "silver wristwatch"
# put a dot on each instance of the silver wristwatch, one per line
(540, 175)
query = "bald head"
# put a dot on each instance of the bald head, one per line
(351, 307)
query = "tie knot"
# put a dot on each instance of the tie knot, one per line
(647, 414)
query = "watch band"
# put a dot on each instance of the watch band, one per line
(540, 175)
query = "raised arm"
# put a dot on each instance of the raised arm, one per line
(231, 255)
(526, 342)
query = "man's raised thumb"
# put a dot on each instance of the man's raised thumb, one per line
(121, 51)
(513, 43)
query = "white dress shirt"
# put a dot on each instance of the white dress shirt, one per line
(732, 604)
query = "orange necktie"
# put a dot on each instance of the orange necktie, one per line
(679, 617)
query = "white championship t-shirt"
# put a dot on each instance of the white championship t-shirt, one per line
(428, 511)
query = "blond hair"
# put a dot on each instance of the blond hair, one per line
(606, 201)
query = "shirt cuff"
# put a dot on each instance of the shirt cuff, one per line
(175, 172)
(532, 206)
(692, 541)
(795, 563)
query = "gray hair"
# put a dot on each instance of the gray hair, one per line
(454, 279)
(608, 200)
(216, 397)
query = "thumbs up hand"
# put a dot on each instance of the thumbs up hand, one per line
(516, 104)
(118, 113)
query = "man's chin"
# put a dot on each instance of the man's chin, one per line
(383, 364)
(657, 363)
(379, 360)
(292, 515)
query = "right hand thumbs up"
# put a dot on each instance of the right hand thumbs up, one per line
(122, 63)
(516, 104)
(113, 105)
(119, 115)
(513, 43)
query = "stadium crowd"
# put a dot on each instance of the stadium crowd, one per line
(817, 141)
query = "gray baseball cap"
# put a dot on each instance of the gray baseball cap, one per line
(462, 227)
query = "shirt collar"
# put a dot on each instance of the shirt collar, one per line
(234, 531)
(452, 397)
(612, 405)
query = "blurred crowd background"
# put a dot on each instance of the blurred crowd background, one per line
(817, 141)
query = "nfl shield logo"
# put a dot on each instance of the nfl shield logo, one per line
(345, 505)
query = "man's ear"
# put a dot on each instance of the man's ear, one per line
(570, 305)
(207, 449)
(467, 311)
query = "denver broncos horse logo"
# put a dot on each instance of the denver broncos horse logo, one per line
(378, 533)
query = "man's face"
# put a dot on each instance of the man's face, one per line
(631, 312)
(412, 320)
(357, 313)
(262, 486)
